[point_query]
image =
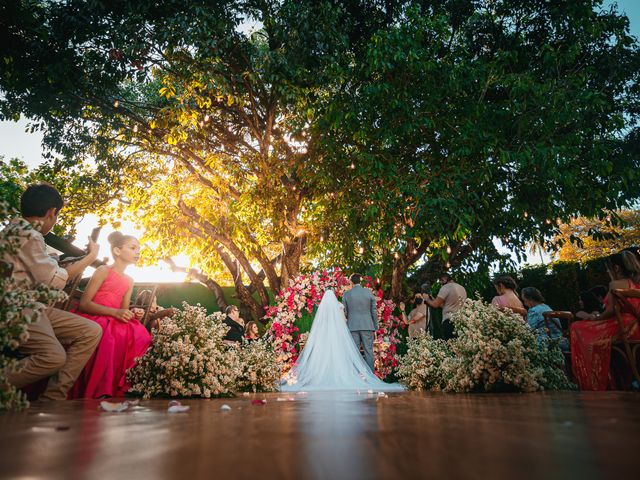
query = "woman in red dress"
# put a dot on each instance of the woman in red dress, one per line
(591, 339)
(106, 302)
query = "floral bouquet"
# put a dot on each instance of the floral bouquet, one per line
(188, 358)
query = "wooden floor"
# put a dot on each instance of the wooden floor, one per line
(331, 436)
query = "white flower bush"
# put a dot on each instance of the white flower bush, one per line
(20, 304)
(494, 351)
(421, 367)
(261, 368)
(188, 358)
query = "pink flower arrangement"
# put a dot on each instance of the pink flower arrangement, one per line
(304, 293)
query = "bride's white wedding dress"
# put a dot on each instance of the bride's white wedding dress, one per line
(330, 359)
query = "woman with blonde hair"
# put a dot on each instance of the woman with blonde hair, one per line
(591, 339)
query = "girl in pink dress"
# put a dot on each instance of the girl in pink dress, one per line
(106, 302)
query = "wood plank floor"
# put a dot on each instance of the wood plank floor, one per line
(331, 436)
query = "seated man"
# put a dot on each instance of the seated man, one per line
(235, 324)
(45, 354)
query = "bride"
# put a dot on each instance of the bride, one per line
(330, 359)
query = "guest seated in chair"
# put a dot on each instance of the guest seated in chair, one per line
(235, 324)
(591, 339)
(44, 353)
(106, 301)
(507, 297)
(589, 305)
(155, 312)
(251, 331)
(534, 301)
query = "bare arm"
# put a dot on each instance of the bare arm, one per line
(78, 267)
(437, 302)
(126, 300)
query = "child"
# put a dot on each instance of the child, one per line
(44, 354)
(106, 302)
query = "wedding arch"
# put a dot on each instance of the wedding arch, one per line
(297, 303)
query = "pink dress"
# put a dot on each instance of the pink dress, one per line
(121, 343)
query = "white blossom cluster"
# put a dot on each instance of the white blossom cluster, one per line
(20, 304)
(494, 351)
(261, 368)
(189, 358)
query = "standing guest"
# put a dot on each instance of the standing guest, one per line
(417, 318)
(235, 324)
(507, 297)
(450, 298)
(106, 301)
(44, 354)
(544, 331)
(251, 331)
(591, 339)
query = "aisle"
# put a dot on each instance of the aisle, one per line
(332, 436)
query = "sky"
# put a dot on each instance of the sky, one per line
(16, 142)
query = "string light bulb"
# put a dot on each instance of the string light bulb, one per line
(396, 255)
(448, 250)
(526, 214)
(353, 166)
(361, 250)
(116, 103)
(135, 128)
(548, 221)
(206, 117)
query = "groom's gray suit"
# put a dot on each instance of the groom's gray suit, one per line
(362, 319)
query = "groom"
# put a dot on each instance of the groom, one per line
(362, 320)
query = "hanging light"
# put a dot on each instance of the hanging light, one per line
(135, 128)
(526, 214)
(206, 117)
(448, 265)
(116, 104)
(353, 166)
(448, 250)
(414, 251)
(548, 221)
(361, 250)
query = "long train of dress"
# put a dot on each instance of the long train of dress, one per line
(330, 359)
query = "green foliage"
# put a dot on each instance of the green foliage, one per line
(358, 133)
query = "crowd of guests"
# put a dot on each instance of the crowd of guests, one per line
(85, 352)
(591, 335)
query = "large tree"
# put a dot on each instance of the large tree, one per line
(468, 122)
(248, 133)
(197, 123)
